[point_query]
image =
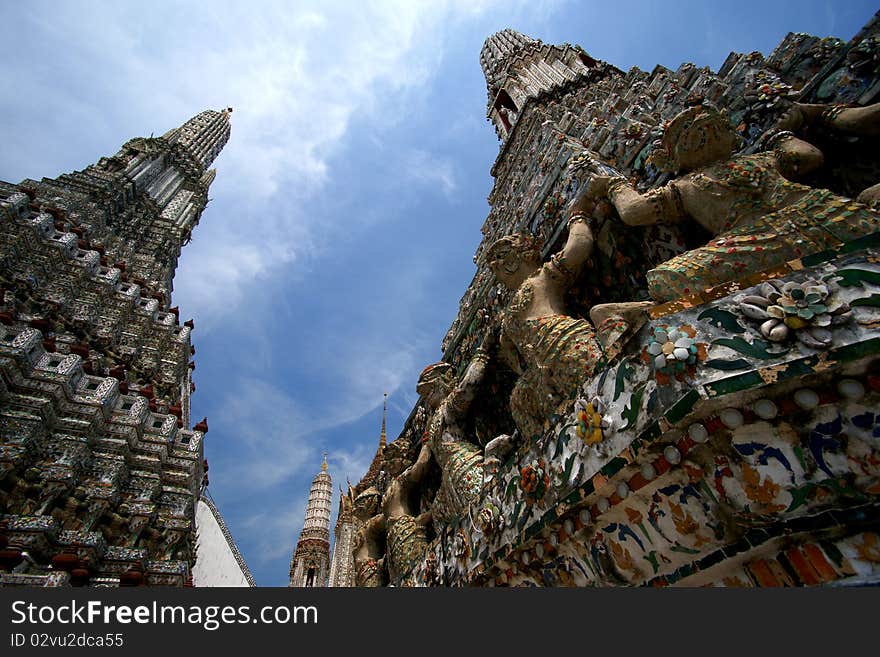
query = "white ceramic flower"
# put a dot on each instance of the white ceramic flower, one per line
(805, 309)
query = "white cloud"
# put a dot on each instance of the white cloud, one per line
(424, 167)
(272, 448)
(296, 76)
(311, 19)
(351, 465)
(295, 85)
(224, 271)
(270, 436)
(272, 432)
(272, 532)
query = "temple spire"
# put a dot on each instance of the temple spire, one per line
(383, 440)
(499, 50)
(310, 565)
(204, 135)
(520, 69)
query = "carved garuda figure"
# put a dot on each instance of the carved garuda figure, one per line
(460, 461)
(368, 561)
(369, 540)
(553, 352)
(759, 217)
(405, 528)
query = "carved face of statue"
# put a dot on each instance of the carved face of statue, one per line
(435, 383)
(512, 256)
(707, 140)
(505, 258)
(696, 137)
(437, 392)
(367, 503)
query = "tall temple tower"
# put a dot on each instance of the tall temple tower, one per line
(342, 563)
(310, 565)
(638, 485)
(99, 472)
(349, 522)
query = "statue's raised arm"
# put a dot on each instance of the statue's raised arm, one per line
(840, 121)
(759, 217)
(559, 352)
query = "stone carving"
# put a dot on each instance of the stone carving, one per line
(460, 461)
(95, 365)
(673, 353)
(807, 309)
(759, 218)
(553, 352)
(741, 457)
(840, 122)
(368, 549)
(405, 536)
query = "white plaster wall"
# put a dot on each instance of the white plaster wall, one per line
(215, 561)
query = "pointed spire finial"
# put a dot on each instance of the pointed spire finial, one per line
(324, 464)
(382, 438)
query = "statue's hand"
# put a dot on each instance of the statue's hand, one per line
(799, 115)
(489, 339)
(598, 187)
(591, 191)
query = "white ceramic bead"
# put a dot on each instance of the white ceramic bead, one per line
(698, 433)
(807, 399)
(731, 418)
(765, 409)
(851, 389)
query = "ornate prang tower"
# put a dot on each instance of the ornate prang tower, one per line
(342, 564)
(310, 565)
(99, 473)
(747, 458)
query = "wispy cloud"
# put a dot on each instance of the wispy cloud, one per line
(351, 464)
(297, 75)
(273, 447)
(274, 436)
(271, 435)
(272, 530)
(429, 169)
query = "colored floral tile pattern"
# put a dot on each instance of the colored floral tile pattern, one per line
(673, 353)
(534, 480)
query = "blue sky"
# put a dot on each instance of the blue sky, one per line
(348, 202)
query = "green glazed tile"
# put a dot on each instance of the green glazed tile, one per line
(680, 409)
(734, 384)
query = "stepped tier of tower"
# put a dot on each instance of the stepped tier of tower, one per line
(99, 470)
